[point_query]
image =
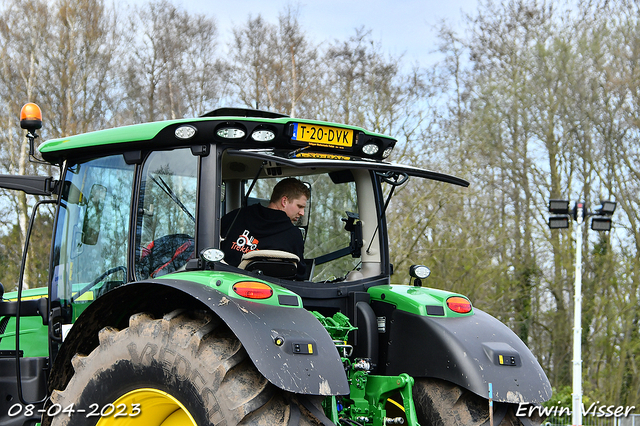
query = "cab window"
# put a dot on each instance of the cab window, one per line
(165, 226)
(322, 226)
(90, 247)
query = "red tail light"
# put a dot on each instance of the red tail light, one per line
(253, 290)
(459, 304)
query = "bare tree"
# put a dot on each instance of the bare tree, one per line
(23, 29)
(171, 70)
(275, 67)
(547, 111)
(82, 40)
(252, 75)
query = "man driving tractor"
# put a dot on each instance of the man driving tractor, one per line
(256, 227)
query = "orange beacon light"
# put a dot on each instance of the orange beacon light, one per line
(30, 117)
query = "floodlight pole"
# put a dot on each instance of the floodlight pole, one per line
(561, 207)
(577, 324)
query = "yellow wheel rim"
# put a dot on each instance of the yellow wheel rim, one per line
(149, 407)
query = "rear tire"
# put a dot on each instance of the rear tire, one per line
(186, 368)
(441, 403)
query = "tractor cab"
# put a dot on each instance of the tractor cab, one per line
(151, 206)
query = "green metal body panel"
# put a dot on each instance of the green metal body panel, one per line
(224, 281)
(29, 293)
(116, 135)
(78, 308)
(415, 299)
(221, 281)
(33, 334)
(33, 337)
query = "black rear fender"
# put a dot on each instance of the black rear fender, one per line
(287, 345)
(470, 351)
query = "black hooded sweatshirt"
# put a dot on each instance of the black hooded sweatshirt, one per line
(259, 228)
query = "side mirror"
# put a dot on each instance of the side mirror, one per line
(93, 216)
(1, 291)
(303, 221)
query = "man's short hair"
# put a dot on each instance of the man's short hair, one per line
(292, 188)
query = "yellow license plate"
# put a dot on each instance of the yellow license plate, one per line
(318, 135)
(318, 155)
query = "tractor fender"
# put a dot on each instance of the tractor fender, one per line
(470, 351)
(288, 345)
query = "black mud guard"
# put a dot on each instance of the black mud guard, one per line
(470, 351)
(288, 345)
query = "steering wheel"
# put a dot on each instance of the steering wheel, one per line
(97, 280)
(164, 255)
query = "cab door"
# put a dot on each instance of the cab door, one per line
(92, 233)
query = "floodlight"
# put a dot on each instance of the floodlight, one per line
(558, 222)
(601, 224)
(559, 206)
(419, 271)
(607, 207)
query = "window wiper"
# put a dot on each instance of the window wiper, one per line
(167, 189)
(395, 179)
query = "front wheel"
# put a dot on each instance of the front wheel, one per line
(184, 369)
(441, 403)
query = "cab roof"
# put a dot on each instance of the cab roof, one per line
(286, 133)
(260, 134)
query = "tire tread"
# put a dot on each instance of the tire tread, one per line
(243, 395)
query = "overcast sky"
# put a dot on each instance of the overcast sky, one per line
(402, 26)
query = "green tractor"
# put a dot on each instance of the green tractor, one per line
(142, 320)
